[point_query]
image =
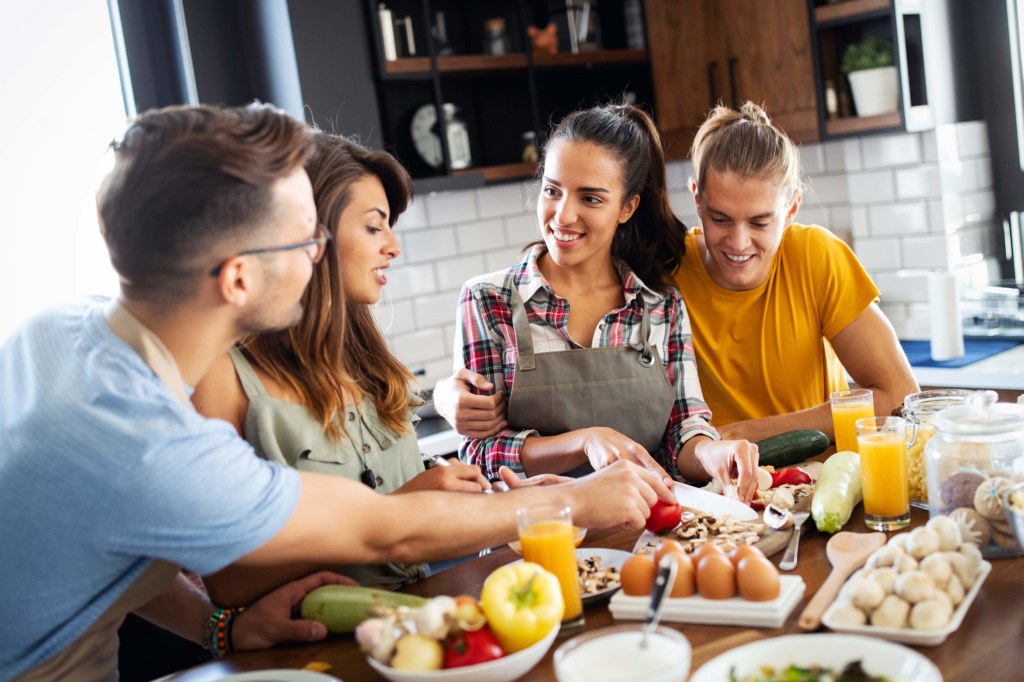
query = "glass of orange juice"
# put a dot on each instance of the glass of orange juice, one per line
(883, 472)
(847, 407)
(546, 536)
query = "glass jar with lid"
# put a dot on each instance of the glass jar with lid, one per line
(918, 410)
(975, 457)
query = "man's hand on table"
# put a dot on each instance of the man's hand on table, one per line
(269, 621)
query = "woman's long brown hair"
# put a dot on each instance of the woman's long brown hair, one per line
(337, 347)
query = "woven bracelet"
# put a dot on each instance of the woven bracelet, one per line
(217, 633)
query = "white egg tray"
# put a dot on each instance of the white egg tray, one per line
(735, 611)
(909, 635)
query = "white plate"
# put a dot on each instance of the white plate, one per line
(735, 611)
(893, 661)
(610, 558)
(279, 676)
(911, 636)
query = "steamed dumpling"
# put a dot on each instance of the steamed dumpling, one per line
(929, 615)
(891, 613)
(915, 586)
(923, 541)
(845, 613)
(948, 531)
(937, 566)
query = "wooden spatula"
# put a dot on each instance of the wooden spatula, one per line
(846, 552)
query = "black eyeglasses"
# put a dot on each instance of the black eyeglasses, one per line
(315, 248)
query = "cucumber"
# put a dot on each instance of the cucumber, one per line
(791, 447)
(837, 491)
(342, 607)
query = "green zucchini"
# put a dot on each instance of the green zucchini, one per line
(342, 607)
(837, 491)
(791, 447)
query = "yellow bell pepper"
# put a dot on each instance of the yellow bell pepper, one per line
(522, 602)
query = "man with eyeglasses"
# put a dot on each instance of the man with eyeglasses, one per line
(109, 479)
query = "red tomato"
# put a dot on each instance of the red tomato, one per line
(664, 516)
(472, 647)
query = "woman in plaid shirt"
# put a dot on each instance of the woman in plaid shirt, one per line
(601, 278)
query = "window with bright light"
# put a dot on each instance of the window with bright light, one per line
(62, 106)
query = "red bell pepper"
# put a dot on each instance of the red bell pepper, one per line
(790, 476)
(471, 647)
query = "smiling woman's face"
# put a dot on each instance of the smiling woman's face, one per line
(365, 242)
(743, 220)
(581, 202)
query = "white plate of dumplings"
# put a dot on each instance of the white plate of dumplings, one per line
(916, 589)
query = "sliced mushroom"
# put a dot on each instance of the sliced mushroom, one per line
(777, 518)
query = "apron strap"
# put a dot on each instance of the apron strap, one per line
(150, 348)
(645, 332)
(521, 325)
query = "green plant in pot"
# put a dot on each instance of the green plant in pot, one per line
(870, 66)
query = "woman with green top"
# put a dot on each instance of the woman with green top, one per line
(327, 395)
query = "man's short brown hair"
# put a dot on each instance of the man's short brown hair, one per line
(187, 181)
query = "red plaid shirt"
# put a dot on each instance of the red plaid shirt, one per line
(485, 342)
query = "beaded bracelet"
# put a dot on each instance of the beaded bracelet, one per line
(217, 637)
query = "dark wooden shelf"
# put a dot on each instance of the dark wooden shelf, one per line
(506, 171)
(481, 62)
(589, 57)
(460, 63)
(467, 63)
(863, 124)
(407, 65)
(849, 9)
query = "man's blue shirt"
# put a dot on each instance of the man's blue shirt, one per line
(103, 470)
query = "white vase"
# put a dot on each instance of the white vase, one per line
(874, 90)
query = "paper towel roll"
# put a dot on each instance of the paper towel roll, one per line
(947, 332)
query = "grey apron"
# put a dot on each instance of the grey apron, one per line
(625, 388)
(93, 655)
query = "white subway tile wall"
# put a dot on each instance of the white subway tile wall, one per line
(911, 203)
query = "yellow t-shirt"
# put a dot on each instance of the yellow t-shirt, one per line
(765, 351)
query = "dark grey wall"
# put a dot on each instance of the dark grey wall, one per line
(333, 52)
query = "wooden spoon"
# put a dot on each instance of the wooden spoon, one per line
(846, 552)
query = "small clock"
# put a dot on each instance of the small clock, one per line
(427, 141)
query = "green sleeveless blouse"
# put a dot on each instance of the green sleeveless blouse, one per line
(289, 434)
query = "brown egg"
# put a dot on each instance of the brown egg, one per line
(685, 582)
(637, 574)
(758, 579)
(668, 546)
(742, 552)
(716, 576)
(703, 550)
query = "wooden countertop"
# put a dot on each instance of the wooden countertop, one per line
(987, 646)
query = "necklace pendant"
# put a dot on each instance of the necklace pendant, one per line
(368, 478)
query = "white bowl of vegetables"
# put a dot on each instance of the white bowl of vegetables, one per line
(504, 669)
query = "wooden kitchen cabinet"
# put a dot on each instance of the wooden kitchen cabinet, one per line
(705, 52)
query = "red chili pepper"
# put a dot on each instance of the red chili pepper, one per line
(790, 476)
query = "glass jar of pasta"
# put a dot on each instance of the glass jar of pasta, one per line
(918, 410)
(974, 458)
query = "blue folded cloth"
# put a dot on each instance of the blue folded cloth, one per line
(920, 352)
